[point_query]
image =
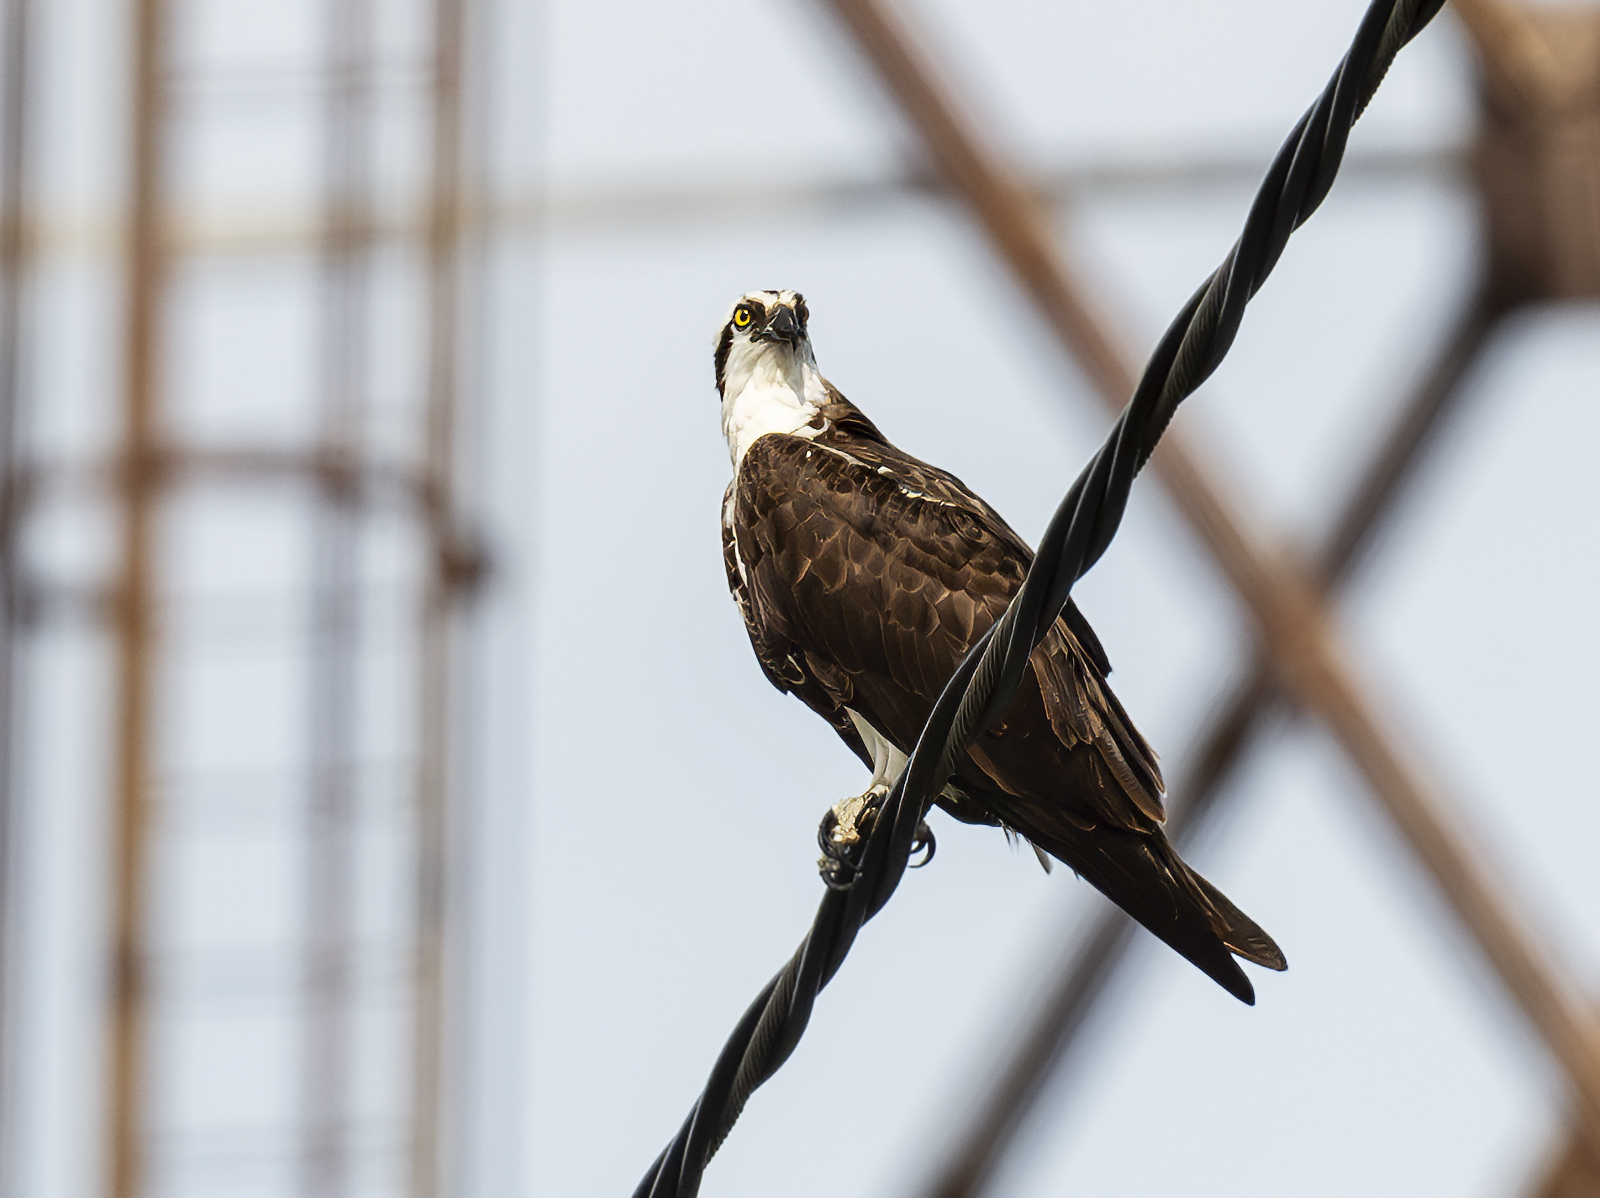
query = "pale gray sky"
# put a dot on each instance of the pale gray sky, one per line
(643, 859)
(675, 793)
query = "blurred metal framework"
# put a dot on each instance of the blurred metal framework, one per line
(1537, 170)
(1535, 163)
(347, 479)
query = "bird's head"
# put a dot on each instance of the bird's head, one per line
(764, 331)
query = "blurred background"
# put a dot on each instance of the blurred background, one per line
(391, 803)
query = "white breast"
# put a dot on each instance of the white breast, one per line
(769, 389)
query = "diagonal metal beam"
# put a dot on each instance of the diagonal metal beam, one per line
(1519, 64)
(1085, 972)
(1571, 1171)
(1293, 629)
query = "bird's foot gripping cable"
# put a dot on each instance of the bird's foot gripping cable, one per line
(1193, 346)
(844, 831)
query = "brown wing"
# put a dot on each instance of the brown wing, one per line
(779, 656)
(867, 575)
(864, 575)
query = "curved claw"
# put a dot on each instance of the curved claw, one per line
(837, 864)
(825, 841)
(835, 875)
(922, 842)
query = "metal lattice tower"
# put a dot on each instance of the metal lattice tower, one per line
(270, 625)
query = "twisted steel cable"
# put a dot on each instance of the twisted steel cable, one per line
(1082, 528)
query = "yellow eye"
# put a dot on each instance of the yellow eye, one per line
(741, 317)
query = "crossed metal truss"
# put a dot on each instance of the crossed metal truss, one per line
(1535, 163)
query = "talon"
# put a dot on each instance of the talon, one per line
(843, 828)
(852, 817)
(922, 841)
(834, 865)
(825, 829)
(836, 874)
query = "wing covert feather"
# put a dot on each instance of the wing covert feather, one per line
(886, 570)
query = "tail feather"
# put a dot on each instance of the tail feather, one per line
(1144, 875)
(1243, 935)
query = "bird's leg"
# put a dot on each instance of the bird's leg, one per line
(850, 820)
(888, 763)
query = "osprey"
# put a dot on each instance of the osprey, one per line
(864, 575)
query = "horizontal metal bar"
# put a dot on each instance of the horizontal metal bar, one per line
(285, 229)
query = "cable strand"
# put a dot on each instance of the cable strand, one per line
(1079, 533)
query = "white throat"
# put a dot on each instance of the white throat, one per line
(768, 387)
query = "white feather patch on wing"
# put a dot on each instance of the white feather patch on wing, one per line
(733, 540)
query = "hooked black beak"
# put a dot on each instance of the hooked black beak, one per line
(782, 327)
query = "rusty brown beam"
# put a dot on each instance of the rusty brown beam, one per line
(1085, 972)
(245, 230)
(1292, 627)
(135, 656)
(367, 482)
(1571, 1171)
(428, 1164)
(1518, 62)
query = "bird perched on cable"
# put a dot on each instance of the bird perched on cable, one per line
(864, 575)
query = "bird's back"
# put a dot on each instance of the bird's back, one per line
(864, 575)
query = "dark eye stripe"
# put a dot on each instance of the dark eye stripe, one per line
(720, 359)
